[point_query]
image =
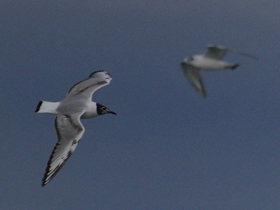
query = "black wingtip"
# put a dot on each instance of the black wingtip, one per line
(97, 72)
(203, 94)
(38, 106)
(234, 66)
(49, 175)
(44, 182)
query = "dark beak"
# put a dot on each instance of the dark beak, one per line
(112, 112)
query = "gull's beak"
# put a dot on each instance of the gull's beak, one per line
(112, 112)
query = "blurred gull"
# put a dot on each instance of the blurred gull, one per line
(77, 105)
(210, 60)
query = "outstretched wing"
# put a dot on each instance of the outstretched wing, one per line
(215, 52)
(87, 87)
(192, 74)
(69, 132)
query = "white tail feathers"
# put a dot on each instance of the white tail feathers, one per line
(47, 107)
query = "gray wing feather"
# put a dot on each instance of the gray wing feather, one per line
(192, 74)
(87, 87)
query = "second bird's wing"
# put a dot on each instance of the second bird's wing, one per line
(215, 52)
(193, 75)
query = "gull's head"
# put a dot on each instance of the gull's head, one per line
(188, 59)
(101, 109)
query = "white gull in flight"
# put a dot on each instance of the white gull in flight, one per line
(76, 105)
(210, 60)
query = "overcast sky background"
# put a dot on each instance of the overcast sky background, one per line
(168, 148)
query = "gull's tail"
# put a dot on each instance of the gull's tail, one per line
(47, 107)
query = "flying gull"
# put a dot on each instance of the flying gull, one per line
(210, 60)
(76, 105)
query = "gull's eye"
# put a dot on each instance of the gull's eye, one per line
(101, 109)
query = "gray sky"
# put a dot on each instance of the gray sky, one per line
(168, 148)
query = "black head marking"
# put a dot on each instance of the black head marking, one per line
(101, 109)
